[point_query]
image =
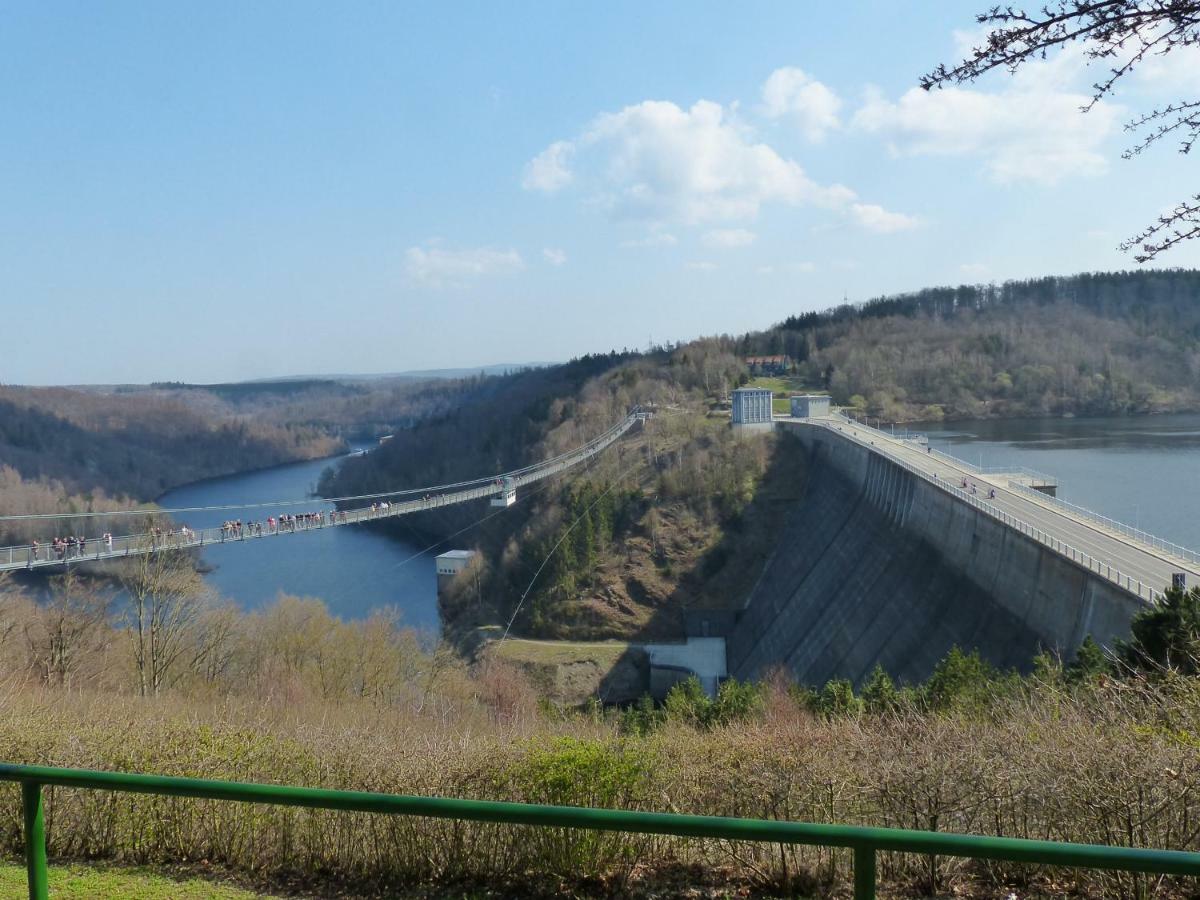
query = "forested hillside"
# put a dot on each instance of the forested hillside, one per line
(1093, 344)
(680, 514)
(75, 449)
(655, 525)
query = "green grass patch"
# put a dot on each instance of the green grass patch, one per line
(88, 882)
(604, 653)
(780, 384)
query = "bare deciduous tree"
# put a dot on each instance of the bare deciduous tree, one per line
(166, 599)
(72, 623)
(1123, 34)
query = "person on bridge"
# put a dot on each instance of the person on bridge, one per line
(992, 494)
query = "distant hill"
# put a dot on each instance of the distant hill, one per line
(1090, 344)
(412, 374)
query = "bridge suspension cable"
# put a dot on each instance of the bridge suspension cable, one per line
(274, 504)
(183, 538)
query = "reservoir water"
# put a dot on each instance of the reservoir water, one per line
(1142, 470)
(353, 569)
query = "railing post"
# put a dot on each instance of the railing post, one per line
(864, 873)
(35, 841)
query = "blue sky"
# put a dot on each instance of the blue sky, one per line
(211, 192)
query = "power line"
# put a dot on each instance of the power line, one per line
(557, 543)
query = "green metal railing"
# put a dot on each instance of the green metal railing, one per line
(864, 842)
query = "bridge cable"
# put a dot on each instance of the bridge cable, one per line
(155, 511)
(523, 496)
(558, 543)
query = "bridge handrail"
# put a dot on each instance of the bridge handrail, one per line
(1034, 474)
(1129, 531)
(142, 542)
(1080, 557)
(915, 437)
(864, 841)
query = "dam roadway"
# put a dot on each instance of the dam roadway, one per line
(1138, 565)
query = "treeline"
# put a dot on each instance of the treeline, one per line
(1104, 343)
(91, 449)
(614, 550)
(155, 628)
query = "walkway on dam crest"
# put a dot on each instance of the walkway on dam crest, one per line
(1137, 562)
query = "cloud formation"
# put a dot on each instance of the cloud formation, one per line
(728, 238)
(656, 238)
(554, 256)
(549, 170)
(1029, 129)
(439, 267)
(789, 93)
(661, 164)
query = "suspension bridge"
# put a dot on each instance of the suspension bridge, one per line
(501, 489)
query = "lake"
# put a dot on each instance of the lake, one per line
(1142, 470)
(353, 569)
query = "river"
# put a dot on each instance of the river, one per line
(353, 569)
(1142, 470)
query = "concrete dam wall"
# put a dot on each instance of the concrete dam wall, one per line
(877, 565)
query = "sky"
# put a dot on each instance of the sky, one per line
(226, 191)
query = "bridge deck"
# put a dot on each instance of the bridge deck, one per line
(24, 557)
(1136, 563)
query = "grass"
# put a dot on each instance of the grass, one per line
(604, 653)
(780, 384)
(87, 882)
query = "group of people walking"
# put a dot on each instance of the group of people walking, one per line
(70, 547)
(236, 529)
(78, 546)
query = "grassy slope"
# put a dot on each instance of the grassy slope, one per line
(80, 881)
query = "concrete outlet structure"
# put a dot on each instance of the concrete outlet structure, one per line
(807, 405)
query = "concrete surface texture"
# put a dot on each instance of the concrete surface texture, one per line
(879, 565)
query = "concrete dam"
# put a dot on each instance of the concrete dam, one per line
(885, 561)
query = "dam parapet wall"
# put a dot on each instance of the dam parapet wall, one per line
(879, 565)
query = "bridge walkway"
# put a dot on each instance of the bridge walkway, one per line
(29, 557)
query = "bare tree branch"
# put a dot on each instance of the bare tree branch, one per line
(1124, 31)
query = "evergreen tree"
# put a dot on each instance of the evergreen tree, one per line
(1167, 635)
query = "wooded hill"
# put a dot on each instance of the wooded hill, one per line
(1091, 344)
(77, 449)
(655, 525)
(681, 515)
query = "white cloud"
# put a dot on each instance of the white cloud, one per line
(1028, 129)
(437, 266)
(975, 270)
(797, 267)
(1177, 73)
(549, 170)
(701, 265)
(659, 163)
(656, 238)
(554, 256)
(876, 218)
(728, 238)
(792, 94)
